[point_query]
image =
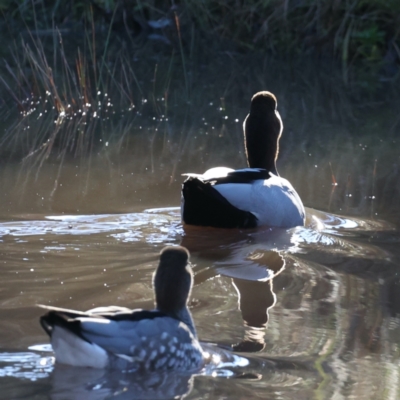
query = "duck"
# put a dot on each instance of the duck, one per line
(250, 197)
(163, 339)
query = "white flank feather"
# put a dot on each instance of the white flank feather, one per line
(72, 350)
(273, 201)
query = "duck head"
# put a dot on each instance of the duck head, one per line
(262, 130)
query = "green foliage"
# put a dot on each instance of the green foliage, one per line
(368, 43)
(354, 31)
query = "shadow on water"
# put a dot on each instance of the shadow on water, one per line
(314, 311)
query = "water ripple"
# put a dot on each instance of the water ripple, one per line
(25, 365)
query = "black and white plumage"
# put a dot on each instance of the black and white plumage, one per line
(158, 340)
(250, 197)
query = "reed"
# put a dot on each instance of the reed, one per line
(352, 31)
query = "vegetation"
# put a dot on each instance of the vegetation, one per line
(84, 73)
(353, 31)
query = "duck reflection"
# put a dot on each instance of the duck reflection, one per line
(251, 263)
(77, 383)
(255, 299)
(253, 281)
(98, 384)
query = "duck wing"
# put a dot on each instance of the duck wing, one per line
(203, 205)
(245, 175)
(114, 330)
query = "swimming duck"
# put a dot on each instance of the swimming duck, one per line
(250, 197)
(158, 340)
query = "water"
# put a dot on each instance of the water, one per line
(310, 312)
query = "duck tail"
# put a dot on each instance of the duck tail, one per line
(56, 318)
(205, 206)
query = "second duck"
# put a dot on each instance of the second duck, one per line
(250, 197)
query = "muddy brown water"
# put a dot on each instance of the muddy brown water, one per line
(314, 310)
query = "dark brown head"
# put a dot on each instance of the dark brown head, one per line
(262, 130)
(263, 102)
(173, 280)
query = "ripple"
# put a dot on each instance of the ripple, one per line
(335, 223)
(153, 225)
(25, 365)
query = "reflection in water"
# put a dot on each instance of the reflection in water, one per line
(64, 382)
(93, 384)
(74, 383)
(255, 299)
(252, 267)
(255, 296)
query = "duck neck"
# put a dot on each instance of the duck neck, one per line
(262, 133)
(184, 315)
(267, 160)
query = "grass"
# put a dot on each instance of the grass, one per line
(69, 98)
(352, 31)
